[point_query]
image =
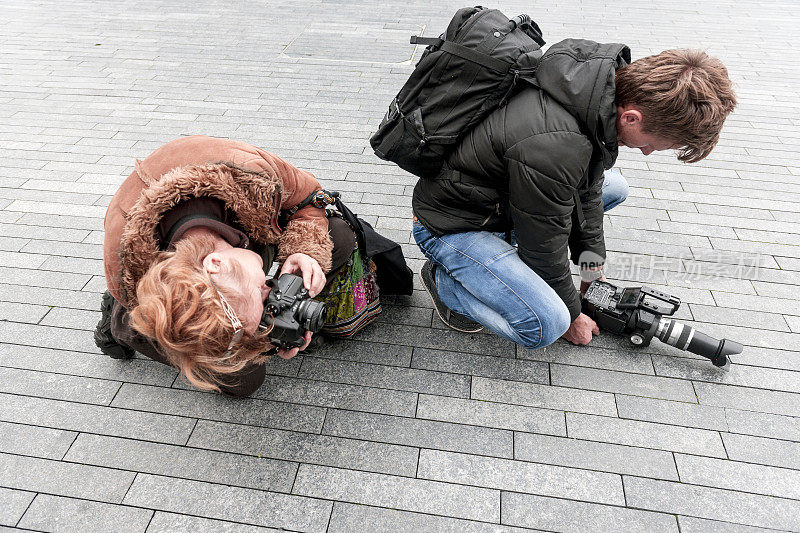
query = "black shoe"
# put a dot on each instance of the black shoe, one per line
(450, 318)
(102, 333)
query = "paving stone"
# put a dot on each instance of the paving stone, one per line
(95, 419)
(386, 377)
(713, 504)
(64, 479)
(406, 494)
(439, 340)
(380, 354)
(170, 522)
(546, 396)
(87, 365)
(596, 357)
(13, 504)
(763, 451)
(619, 382)
(207, 406)
(480, 365)
(590, 455)
(57, 386)
(236, 504)
(183, 462)
(764, 425)
(699, 525)
(748, 399)
(55, 513)
(735, 475)
(667, 412)
(419, 433)
(519, 476)
(555, 514)
(350, 517)
(337, 395)
(305, 447)
(491, 414)
(46, 337)
(748, 376)
(34, 441)
(644, 434)
(16, 312)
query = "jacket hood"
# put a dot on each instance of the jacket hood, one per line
(579, 75)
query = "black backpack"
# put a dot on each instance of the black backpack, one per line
(463, 75)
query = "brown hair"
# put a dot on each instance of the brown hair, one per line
(180, 309)
(684, 96)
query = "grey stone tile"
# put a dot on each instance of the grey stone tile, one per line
(619, 382)
(546, 396)
(699, 525)
(17, 312)
(74, 264)
(169, 522)
(183, 462)
(449, 340)
(747, 376)
(45, 296)
(491, 414)
(667, 412)
(57, 386)
(520, 476)
(386, 377)
(87, 365)
(555, 514)
(419, 433)
(763, 425)
(64, 479)
(56, 513)
(95, 419)
(594, 357)
(713, 504)
(644, 434)
(734, 475)
(349, 517)
(363, 352)
(196, 404)
(305, 447)
(763, 451)
(46, 337)
(749, 399)
(13, 504)
(406, 494)
(43, 278)
(594, 456)
(236, 504)
(71, 318)
(481, 365)
(34, 441)
(337, 395)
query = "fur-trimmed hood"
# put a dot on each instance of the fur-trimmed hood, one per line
(254, 197)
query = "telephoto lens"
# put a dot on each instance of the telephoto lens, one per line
(689, 339)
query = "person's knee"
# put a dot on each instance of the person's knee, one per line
(616, 191)
(545, 327)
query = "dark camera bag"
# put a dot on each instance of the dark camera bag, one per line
(463, 75)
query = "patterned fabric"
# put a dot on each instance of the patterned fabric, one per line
(352, 297)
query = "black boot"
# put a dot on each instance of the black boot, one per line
(102, 333)
(452, 319)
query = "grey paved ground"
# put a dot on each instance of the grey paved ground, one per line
(411, 427)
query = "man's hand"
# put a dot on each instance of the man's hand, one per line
(313, 276)
(581, 330)
(288, 354)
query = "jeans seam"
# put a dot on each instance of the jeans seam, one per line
(541, 336)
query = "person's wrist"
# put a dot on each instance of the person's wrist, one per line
(589, 275)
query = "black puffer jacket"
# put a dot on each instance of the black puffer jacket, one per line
(536, 165)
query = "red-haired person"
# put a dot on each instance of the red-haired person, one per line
(190, 237)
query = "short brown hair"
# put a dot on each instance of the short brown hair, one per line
(684, 95)
(180, 309)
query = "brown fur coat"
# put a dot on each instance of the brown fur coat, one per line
(255, 189)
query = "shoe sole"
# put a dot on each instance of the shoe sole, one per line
(435, 308)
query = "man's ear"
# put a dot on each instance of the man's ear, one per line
(213, 263)
(631, 116)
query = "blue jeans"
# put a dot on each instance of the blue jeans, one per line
(481, 276)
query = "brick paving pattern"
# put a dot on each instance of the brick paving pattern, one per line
(411, 426)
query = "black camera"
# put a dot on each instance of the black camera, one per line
(640, 314)
(290, 312)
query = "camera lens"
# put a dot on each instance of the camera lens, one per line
(311, 315)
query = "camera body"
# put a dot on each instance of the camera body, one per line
(640, 313)
(290, 312)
